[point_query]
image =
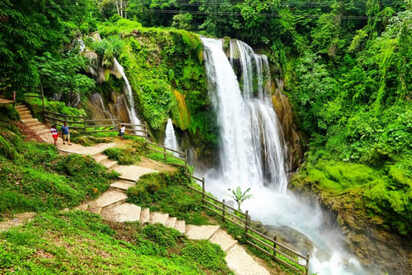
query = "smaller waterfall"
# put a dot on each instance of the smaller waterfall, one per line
(170, 137)
(98, 104)
(129, 93)
(82, 46)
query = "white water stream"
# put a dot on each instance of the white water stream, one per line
(252, 154)
(129, 93)
(170, 137)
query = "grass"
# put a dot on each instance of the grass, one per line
(166, 192)
(81, 243)
(34, 177)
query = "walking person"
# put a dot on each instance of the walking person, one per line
(122, 131)
(66, 133)
(54, 133)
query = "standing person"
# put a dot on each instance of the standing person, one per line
(122, 131)
(66, 133)
(54, 133)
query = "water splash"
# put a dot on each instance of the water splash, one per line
(170, 137)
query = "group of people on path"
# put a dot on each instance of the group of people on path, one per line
(65, 133)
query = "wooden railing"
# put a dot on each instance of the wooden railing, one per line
(88, 126)
(271, 247)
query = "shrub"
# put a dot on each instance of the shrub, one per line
(206, 254)
(167, 192)
(166, 237)
(122, 156)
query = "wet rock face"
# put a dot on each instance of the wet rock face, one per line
(284, 112)
(376, 248)
(114, 107)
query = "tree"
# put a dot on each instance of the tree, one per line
(240, 196)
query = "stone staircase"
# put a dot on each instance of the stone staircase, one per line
(34, 124)
(112, 205)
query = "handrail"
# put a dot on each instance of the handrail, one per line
(258, 240)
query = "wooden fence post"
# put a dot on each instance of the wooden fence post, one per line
(185, 158)
(274, 246)
(246, 223)
(84, 126)
(203, 190)
(223, 209)
(307, 264)
(164, 153)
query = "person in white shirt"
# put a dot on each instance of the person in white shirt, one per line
(122, 131)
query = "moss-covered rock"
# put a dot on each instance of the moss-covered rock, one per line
(372, 206)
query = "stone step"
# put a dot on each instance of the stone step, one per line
(100, 157)
(21, 108)
(34, 124)
(157, 217)
(125, 212)
(223, 239)
(41, 130)
(180, 226)
(122, 185)
(145, 216)
(25, 116)
(30, 120)
(108, 198)
(108, 163)
(39, 127)
(132, 172)
(241, 263)
(201, 232)
(171, 222)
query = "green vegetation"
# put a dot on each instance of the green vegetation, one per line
(166, 192)
(165, 68)
(122, 156)
(81, 243)
(33, 48)
(35, 104)
(139, 147)
(34, 177)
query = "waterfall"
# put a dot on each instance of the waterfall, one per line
(252, 147)
(129, 93)
(170, 137)
(252, 154)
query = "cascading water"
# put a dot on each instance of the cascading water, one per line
(252, 147)
(252, 154)
(170, 137)
(129, 93)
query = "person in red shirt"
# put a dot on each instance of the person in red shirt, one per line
(55, 134)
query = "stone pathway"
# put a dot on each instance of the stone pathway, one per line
(112, 205)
